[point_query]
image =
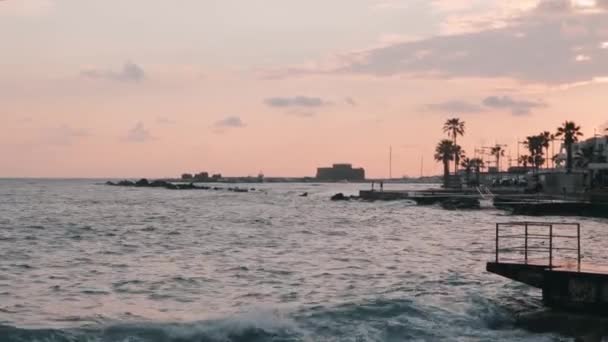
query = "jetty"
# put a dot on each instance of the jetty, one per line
(552, 206)
(547, 256)
(513, 200)
(448, 198)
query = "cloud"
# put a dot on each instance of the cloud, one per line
(130, 72)
(139, 134)
(65, 135)
(296, 101)
(540, 46)
(455, 107)
(165, 121)
(230, 122)
(517, 107)
(300, 112)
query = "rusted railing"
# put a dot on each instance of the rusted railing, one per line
(535, 241)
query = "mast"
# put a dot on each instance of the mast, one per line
(390, 162)
(421, 166)
(517, 151)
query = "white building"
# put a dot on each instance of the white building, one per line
(588, 154)
(590, 158)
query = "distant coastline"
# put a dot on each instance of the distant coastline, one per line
(421, 180)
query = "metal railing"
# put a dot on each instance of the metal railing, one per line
(539, 242)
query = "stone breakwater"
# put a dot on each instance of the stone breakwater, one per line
(144, 183)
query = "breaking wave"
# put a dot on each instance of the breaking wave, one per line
(249, 327)
(379, 319)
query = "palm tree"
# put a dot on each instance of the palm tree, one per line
(570, 132)
(458, 155)
(468, 165)
(535, 146)
(546, 139)
(524, 160)
(478, 165)
(454, 127)
(444, 152)
(497, 151)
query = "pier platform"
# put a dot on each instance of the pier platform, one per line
(422, 197)
(547, 256)
(552, 207)
(432, 196)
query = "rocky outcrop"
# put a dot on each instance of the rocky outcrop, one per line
(125, 183)
(145, 183)
(339, 197)
(460, 203)
(142, 182)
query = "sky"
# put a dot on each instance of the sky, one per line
(150, 88)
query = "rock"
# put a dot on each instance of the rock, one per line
(189, 186)
(158, 184)
(142, 182)
(125, 183)
(460, 203)
(304, 194)
(339, 197)
(171, 186)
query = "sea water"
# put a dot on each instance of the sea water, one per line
(81, 261)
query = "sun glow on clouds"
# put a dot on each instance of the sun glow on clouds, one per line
(582, 58)
(584, 3)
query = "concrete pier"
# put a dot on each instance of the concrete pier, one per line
(547, 256)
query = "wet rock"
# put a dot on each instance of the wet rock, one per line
(460, 203)
(142, 182)
(159, 184)
(339, 197)
(125, 183)
(171, 186)
(189, 186)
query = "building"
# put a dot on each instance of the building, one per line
(591, 151)
(202, 176)
(340, 172)
(589, 157)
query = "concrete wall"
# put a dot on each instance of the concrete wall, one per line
(559, 183)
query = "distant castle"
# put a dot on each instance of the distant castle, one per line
(201, 177)
(340, 172)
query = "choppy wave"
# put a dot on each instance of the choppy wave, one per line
(84, 262)
(247, 328)
(379, 319)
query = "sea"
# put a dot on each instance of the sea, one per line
(82, 261)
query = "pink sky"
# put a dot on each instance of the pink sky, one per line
(148, 88)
